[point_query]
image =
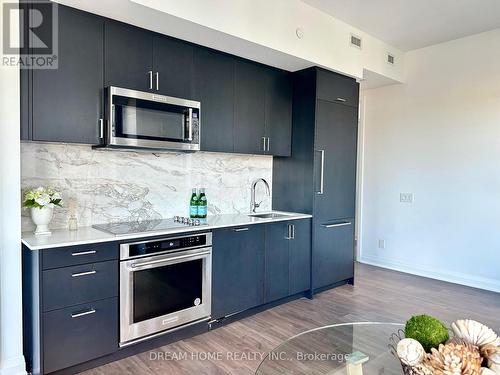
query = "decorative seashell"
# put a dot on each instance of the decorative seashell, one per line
(474, 332)
(487, 371)
(410, 352)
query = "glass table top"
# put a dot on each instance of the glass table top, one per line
(350, 349)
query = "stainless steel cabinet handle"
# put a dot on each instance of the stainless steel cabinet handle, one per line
(293, 231)
(190, 124)
(342, 100)
(289, 232)
(322, 173)
(268, 144)
(150, 74)
(337, 225)
(168, 260)
(77, 315)
(157, 81)
(263, 143)
(83, 253)
(83, 273)
(241, 230)
(101, 128)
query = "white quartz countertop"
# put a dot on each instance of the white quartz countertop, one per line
(88, 235)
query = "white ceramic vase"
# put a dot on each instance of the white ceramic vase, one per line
(42, 217)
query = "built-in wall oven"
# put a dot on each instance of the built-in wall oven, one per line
(140, 119)
(164, 284)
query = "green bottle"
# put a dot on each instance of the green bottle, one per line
(193, 205)
(202, 205)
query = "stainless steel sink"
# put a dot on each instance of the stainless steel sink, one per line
(270, 215)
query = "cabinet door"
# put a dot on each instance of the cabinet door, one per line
(279, 112)
(237, 269)
(67, 101)
(129, 56)
(173, 67)
(300, 257)
(250, 88)
(277, 261)
(333, 252)
(337, 88)
(336, 144)
(214, 88)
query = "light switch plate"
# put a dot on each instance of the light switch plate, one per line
(406, 197)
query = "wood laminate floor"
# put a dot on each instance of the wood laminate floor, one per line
(379, 295)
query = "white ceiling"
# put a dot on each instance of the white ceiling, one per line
(413, 24)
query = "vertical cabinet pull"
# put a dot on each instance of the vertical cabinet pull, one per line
(157, 81)
(291, 232)
(268, 144)
(263, 143)
(101, 128)
(150, 74)
(321, 173)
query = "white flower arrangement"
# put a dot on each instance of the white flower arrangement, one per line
(42, 197)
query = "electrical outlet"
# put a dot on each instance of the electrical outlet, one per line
(381, 244)
(406, 197)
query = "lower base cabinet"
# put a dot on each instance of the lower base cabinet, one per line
(259, 264)
(237, 269)
(333, 252)
(79, 333)
(288, 259)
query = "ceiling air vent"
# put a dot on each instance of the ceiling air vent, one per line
(391, 59)
(355, 41)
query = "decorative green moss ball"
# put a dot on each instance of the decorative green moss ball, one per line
(429, 331)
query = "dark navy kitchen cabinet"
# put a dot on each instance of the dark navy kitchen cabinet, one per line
(320, 176)
(278, 237)
(237, 269)
(250, 103)
(129, 56)
(278, 112)
(333, 259)
(300, 257)
(214, 88)
(66, 104)
(288, 258)
(173, 67)
(335, 152)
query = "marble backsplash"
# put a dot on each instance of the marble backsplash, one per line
(111, 186)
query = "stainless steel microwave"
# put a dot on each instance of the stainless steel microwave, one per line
(145, 120)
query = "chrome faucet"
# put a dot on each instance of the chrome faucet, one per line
(253, 204)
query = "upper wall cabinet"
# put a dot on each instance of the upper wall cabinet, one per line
(337, 88)
(214, 88)
(250, 101)
(263, 101)
(173, 67)
(141, 60)
(129, 56)
(66, 103)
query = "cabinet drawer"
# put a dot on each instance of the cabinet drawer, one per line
(70, 286)
(80, 333)
(336, 88)
(81, 254)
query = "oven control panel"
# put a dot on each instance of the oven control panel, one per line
(167, 244)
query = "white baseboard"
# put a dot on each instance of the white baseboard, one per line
(438, 274)
(13, 366)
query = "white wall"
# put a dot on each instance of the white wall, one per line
(260, 30)
(11, 354)
(438, 136)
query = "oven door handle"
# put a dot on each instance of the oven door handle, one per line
(190, 124)
(168, 260)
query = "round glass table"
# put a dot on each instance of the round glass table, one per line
(349, 348)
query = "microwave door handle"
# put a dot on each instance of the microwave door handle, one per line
(190, 124)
